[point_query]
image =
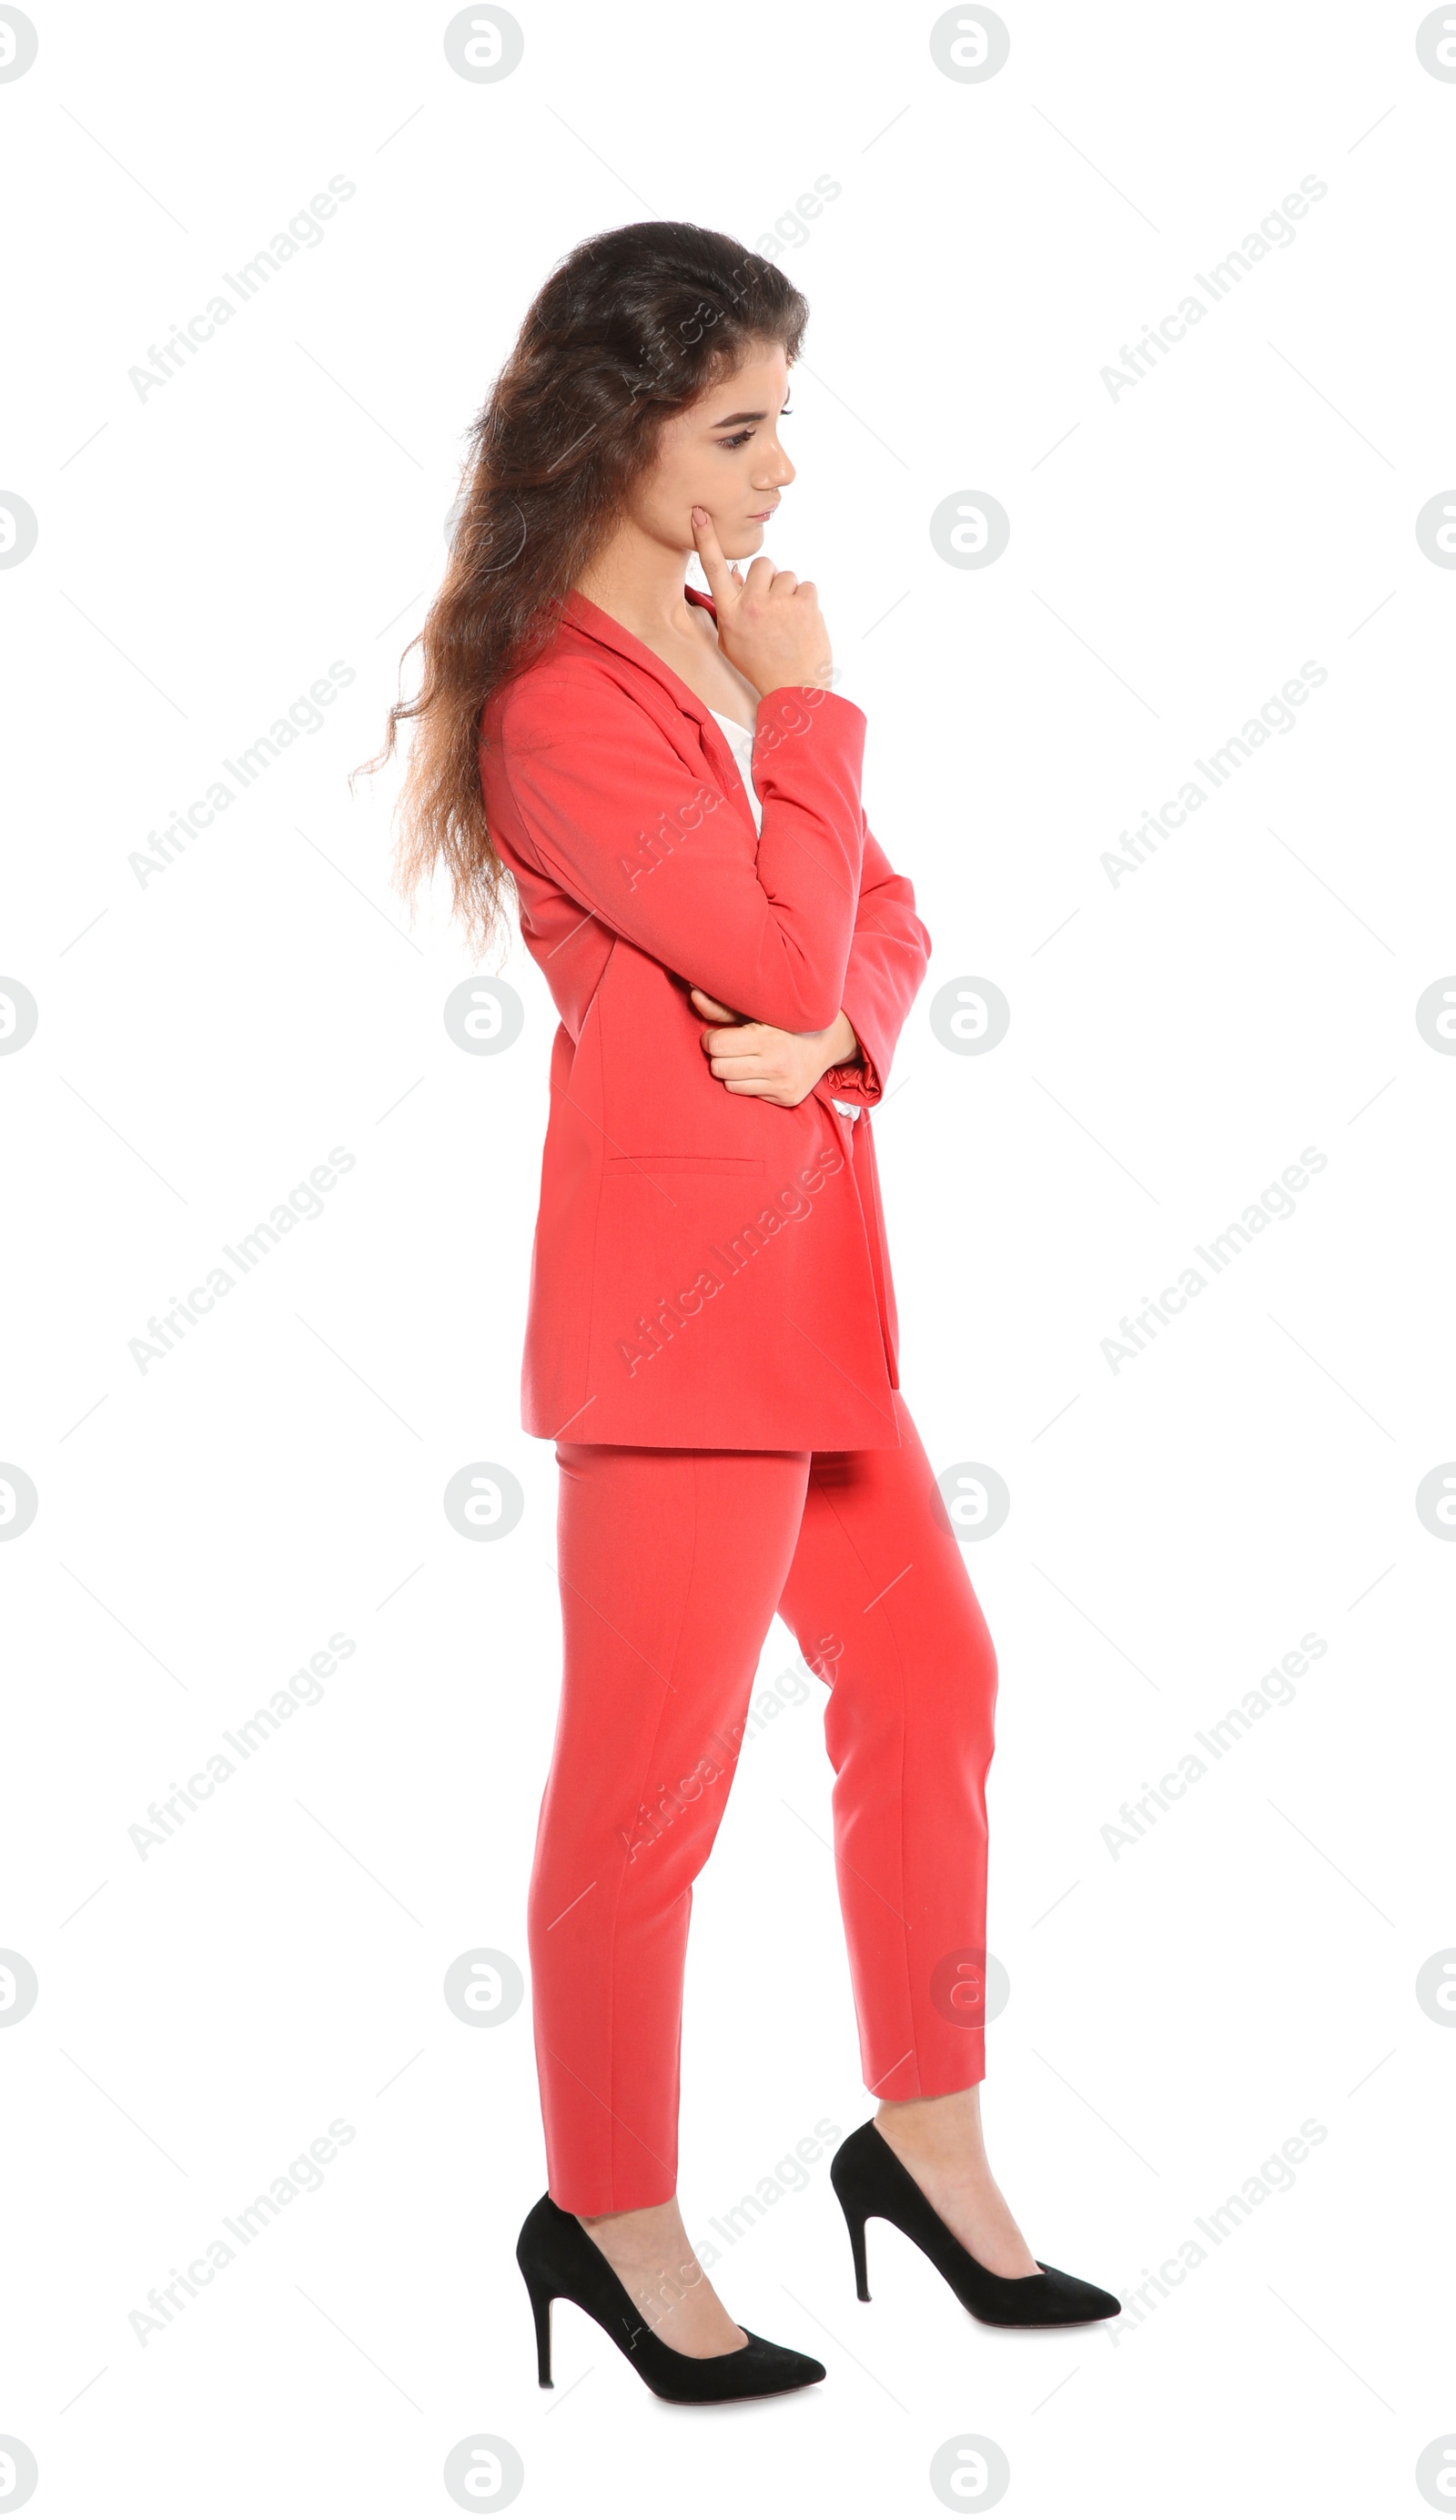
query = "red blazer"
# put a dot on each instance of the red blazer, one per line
(710, 1269)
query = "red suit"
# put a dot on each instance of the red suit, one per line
(712, 1342)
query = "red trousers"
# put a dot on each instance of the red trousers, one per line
(672, 1563)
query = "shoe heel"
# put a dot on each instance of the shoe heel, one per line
(560, 2261)
(540, 2301)
(869, 2178)
(856, 2228)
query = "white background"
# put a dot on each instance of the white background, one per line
(207, 1035)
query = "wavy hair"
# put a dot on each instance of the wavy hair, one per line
(629, 328)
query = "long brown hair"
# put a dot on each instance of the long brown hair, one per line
(629, 328)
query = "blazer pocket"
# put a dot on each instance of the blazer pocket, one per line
(723, 1167)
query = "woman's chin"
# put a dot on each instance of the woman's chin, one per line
(743, 545)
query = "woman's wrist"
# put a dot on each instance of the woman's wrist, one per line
(841, 1043)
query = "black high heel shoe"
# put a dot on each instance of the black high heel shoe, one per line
(560, 2261)
(869, 2178)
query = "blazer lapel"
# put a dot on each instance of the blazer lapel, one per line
(580, 609)
(589, 619)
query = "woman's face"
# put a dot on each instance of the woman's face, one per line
(722, 453)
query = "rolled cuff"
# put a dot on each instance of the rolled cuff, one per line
(860, 1080)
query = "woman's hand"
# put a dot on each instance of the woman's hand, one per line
(778, 1067)
(769, 623)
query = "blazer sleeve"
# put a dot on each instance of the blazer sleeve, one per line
(650, 848)
(889, 954)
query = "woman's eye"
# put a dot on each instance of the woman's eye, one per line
(745, 435)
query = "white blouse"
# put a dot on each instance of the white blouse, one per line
(741, 743)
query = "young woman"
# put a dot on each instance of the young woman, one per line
(671, 786)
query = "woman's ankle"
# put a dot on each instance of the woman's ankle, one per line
(649, 2249)
(629, 2219)
(945, 2123)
